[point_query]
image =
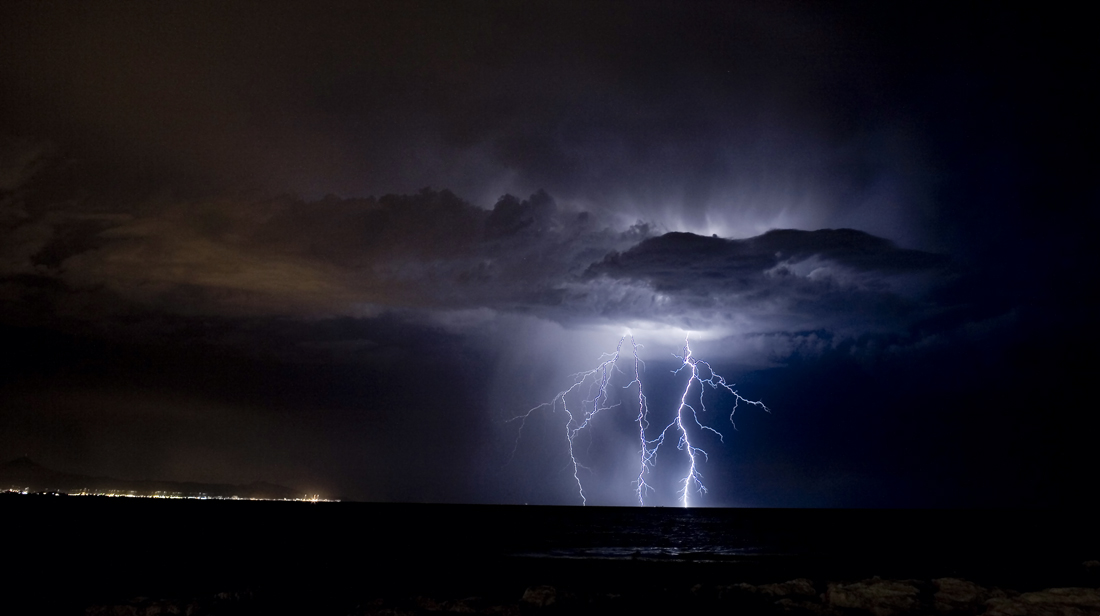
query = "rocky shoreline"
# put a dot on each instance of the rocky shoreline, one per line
(868, 597)
(117, 557)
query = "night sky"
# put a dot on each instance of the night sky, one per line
(338, 246)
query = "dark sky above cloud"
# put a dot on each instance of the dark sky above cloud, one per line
(219, 260)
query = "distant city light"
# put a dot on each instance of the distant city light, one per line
(316, 498)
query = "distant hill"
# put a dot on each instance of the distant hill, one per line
(24, 474)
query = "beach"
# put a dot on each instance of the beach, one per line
(86, 555)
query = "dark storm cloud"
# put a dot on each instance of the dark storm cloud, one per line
(912, 125)
(784, 278)
(433, 252)
(286, 256)
(705, 118)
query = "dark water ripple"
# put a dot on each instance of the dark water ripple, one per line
(86, 546)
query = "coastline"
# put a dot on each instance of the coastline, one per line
(130, 556)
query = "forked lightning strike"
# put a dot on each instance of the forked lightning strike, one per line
(646, 452)
(597, 380)
(715, 380)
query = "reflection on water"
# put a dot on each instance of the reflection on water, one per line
(697, 535)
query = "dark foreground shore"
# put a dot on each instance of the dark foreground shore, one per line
(874, 596)
(111, 556)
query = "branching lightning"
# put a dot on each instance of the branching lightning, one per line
(592, 387)
(647, 452)
(693, 479)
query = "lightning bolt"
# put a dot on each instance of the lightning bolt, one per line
(646, 452)
(697, 368)
(595, 383)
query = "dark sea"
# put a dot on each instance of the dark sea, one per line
(77, 551)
